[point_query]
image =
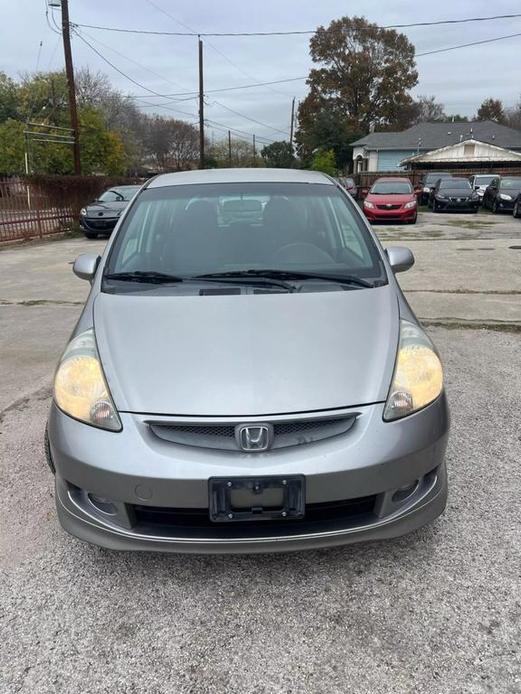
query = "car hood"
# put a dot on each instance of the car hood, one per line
(390, 199)
(247, 354)
(106, 209)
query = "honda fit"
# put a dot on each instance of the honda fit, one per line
(246, 375)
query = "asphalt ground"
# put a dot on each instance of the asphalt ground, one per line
(438, 611)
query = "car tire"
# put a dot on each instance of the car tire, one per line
(495, 208)
(90, 235)
(413, 220)
(516, 211)
(435, 207)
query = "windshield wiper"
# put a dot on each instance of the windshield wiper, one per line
(289, 275)
(145, 276)
(243, 277)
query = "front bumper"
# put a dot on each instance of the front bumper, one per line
(505, 205)
(454, 206)
(155, 485)
(400, 215)
(98, 225)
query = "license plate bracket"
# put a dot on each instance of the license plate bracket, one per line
(262, 498)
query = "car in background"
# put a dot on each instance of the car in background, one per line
(479, 183)
(428, 184)
(251, 388)
(501, 194)
(349, 184)
(454, 194)
(391, 199)
(102, 215)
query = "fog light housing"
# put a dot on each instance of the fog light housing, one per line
(102, 504)
(404, 492)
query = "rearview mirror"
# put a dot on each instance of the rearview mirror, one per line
(400, 258)
(85, 266)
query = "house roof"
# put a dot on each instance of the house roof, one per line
(443, 154)
(437, 135)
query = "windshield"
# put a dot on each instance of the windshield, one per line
(391, 188)
(118, 194)
(189, 230)
(510, 183)
(483, 180)
(433, 177)
(455, 184)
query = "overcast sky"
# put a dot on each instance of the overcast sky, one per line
(460, 79)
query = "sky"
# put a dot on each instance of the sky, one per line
(460, 79)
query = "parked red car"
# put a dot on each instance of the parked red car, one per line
(391, 199)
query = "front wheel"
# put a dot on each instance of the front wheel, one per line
(495, 207)
(90, 235)
(413, 220)
(435, 207)
(516, 211)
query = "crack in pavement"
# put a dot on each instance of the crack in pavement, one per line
(40, 302)
(22, 403)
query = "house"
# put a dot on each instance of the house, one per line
(469, 153)
(386, 151)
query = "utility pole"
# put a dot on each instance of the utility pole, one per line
(254, 151)
(69, 69)
(229, 148)
(292, 123)
(201, 106)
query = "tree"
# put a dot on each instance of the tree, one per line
(324, 161)
(428, 110)
(278, 155)
(456, 118)
(241, 153)
(513, 116)
(491, 109)
(172, 144)
(8, 98)
(12, 151)
(362, 80)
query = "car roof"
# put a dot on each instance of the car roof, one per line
(239, 176)
(401, 179)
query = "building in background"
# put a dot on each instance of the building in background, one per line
(389, 151)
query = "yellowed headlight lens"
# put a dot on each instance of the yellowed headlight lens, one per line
(79, 385)
(418, 375)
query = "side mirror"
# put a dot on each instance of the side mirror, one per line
(85, 266)
(400, 258)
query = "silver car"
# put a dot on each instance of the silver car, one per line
(246, 375)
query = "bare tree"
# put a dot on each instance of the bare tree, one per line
(172, 144)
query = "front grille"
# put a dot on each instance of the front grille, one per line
(196, 522)
(222, 436)
(109, 223)
(388, 207)
(459, 199)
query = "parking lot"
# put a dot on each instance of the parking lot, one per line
(438, 611)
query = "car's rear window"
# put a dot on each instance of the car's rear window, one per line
(188, 230)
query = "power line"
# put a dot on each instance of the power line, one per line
(230, 89)
(208, 43)
(253, 120)
(292, 32)
(135, 62)
(466, 45)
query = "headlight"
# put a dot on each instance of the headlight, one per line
(426, 189)
(410, 204)
(418, 374)
(80, 389)
(83, 212)
(504, 196)
(475, 196)
(440, 196)
(368, 204)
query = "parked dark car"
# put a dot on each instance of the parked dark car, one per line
(501, 194)
(479, 183)
(101, 216)
(349, 184)
(454, 194)
(429, 182)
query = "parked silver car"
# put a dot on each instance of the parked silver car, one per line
(246, 375)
